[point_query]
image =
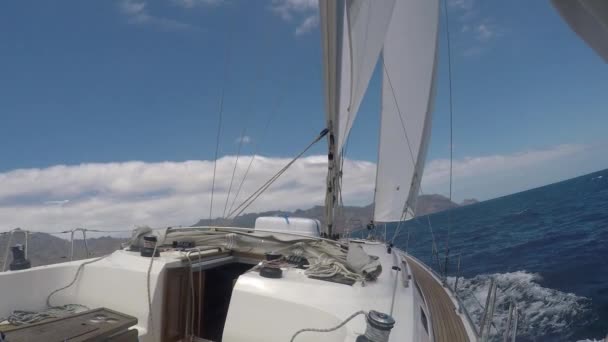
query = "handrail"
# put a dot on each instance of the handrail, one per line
(457, 275)
(488, 313)
(84, 237)
(511, 322)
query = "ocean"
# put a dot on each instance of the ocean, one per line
(547, 249)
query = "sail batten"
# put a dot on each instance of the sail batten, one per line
(408, 69)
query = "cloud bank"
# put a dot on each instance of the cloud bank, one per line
(111, 196)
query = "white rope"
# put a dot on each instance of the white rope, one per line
(327, 267)
(329, 329)
(78, 271)
(148, 291)
(20, 317)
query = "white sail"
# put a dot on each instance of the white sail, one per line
(589, 19)
(352, 33)
(365, 26)
(409, 54)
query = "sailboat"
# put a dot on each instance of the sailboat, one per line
(282, 280)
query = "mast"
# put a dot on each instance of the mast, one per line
(331, 13)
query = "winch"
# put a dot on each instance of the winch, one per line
(19, 260)
(379, 327)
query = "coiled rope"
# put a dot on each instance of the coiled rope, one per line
(327, 267)
(20, 317)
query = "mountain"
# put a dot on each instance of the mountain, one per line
(46, 249)
(349, 216)
(428, 204)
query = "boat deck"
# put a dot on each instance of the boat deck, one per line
(446, 323)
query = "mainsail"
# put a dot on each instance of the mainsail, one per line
(408, 70)
(354, 33)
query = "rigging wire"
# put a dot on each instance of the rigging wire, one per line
(219, 124)
(406, 207)
(271, 115)
(447, 31)
(247, 202)
(409, 146)
(217, 145)
(70, 231)
(236, 163)
(258, 77)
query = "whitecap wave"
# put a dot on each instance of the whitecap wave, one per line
(542, 311)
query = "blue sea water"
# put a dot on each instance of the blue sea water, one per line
(547, 248)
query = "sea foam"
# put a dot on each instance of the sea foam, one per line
(542, 311)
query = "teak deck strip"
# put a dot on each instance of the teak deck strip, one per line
(446, 324)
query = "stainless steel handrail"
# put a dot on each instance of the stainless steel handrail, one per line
(488, 313)
(84, 237)
(512, 322)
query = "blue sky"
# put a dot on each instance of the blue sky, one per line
(85, 81)
(117, 81)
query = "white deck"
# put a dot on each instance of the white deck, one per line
(295, 302)
(261, 309)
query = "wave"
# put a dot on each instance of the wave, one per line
(521, 216)
(543, 312)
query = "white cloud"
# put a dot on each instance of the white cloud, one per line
(461, 4)
(438, 169)
(196, 3)
(137, 13)
(121, 195)
(308, 24)
(287, 9)
(57, 202)
(476, 31)
(306, 12)
(491, 176)
(244, 140)
(484, 32)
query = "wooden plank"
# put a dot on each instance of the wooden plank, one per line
(446, 323)
(92, 325)
(125, 336)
